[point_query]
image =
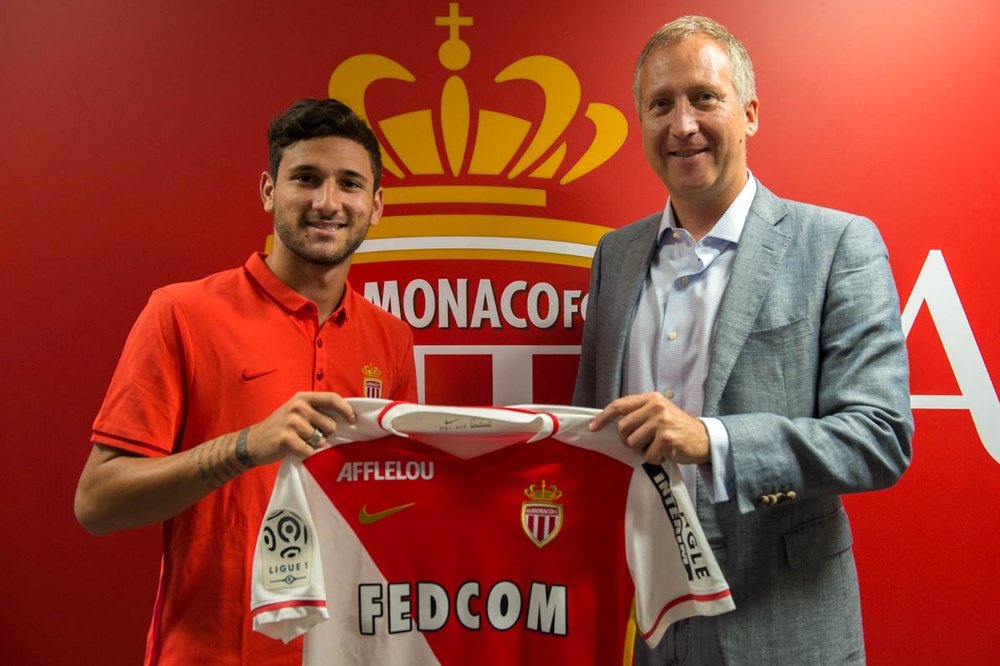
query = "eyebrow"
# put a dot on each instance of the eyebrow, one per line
(351, 173)
(306, 167)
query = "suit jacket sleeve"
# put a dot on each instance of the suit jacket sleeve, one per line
(817, 401)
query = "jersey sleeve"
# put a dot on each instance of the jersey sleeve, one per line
(672, 565)
(288, 592)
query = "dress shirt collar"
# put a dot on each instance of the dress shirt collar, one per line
(729, 227)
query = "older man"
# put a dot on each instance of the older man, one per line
(757, 342)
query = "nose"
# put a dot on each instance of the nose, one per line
(326, 199)
(684, 122)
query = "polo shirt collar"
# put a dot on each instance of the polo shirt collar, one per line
(288, 298)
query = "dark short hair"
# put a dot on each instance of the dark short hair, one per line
(312, 118)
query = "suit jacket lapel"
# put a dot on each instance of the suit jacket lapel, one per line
(761, 248)
(633, 267)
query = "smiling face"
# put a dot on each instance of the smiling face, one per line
(323, 203)
(694, 128)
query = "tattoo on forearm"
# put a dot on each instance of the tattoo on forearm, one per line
(217, 461)
(241, 449)
(214, 465)
(202, 471)
(232, 471)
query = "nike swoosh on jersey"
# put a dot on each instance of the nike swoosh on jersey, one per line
(250, 376)
(366, 518)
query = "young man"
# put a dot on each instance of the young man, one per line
(221, 377)
(757, 342)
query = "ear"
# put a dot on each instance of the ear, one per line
(751, 115)
(267, 191)
(377, 203)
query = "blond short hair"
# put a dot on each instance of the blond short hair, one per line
(689, 26)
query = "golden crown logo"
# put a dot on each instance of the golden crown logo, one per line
(482, 145)
(371, 372)
(543, 494)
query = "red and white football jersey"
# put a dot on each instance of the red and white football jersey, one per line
(442, 535)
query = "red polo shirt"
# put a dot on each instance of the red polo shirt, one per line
(211, 357)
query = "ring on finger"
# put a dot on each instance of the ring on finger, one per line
(315, 438)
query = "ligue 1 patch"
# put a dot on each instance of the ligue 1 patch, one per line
(288, 551)
(372, 382)
(541, 515)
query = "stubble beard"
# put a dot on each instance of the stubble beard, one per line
(315, 253)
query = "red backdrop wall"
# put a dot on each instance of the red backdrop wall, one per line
(132, 139)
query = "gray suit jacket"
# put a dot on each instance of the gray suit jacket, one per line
(809, 376)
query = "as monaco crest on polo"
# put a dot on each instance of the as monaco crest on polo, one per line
(372, 382)
(468, 251)
(541, 516)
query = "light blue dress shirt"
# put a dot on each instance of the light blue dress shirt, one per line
(670, 343)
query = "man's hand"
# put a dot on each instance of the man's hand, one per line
(658, 429)
(290, 429)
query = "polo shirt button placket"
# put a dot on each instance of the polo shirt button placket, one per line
(319, 360)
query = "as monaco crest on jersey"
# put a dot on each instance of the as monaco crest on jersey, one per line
(542, 516)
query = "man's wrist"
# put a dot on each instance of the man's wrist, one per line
(241, 449)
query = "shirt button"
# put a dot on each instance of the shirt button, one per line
(672, 335)
(684, 281)
(676, 235)
(319, 343)
(668, 394)
(319, 376)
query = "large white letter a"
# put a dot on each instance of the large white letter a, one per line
(935, 287)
